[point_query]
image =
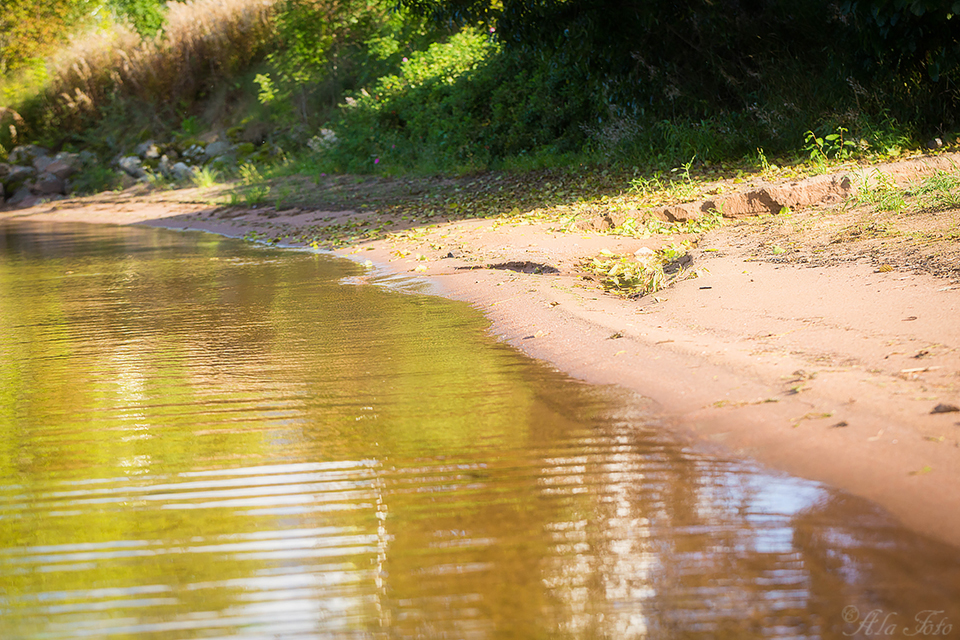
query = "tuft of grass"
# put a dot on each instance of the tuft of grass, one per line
(96, 179)
(205, 177)
(679, 187)
(252, 189)
(638, 228)
(880, 190)
(940, 191)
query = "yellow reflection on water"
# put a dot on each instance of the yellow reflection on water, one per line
(200, 439)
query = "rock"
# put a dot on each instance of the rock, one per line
(48, 184)
(2, 194)
(4, 170)
(224, 162)
(61, 169)
(17, 176)
(24, 154)
(217, 149)
(125, 180)
(181, 171)
(18, 172)
(23, 198)
(147, 150)
(132, 166)
(195, 154)
(40, 163)
(73, 159)
(164, 167)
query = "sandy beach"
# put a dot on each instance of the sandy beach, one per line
(831, 359)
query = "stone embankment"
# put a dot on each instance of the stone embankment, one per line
(34, 174)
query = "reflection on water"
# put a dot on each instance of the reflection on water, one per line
(199, 439)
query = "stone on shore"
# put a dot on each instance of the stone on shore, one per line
(132, 166)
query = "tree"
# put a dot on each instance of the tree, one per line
(909, 35)
(31, 29)
(643, 50)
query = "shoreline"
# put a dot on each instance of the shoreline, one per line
(840, 373)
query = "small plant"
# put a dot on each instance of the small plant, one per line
(707, 222)
(644, 272)
(96, 179)
(190, 126)
(205, 177)
(941, 190)
(648, 186)
(680, 188)
(880, 190)
(829, 146)
(765, 165)
(640, 229)
(252, 190)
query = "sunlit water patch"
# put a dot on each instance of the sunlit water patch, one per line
(199, 439)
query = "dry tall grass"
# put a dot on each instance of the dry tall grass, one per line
(204, 40)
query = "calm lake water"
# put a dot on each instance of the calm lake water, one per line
(203, 439)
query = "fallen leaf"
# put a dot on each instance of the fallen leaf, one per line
(812, 416)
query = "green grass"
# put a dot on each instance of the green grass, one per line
(940, 191)
(205, 177)
(251, 189)
(880, 190)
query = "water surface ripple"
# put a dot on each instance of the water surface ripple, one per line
(200, 439)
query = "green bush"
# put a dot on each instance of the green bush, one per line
(461, 105)
(326, 48)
